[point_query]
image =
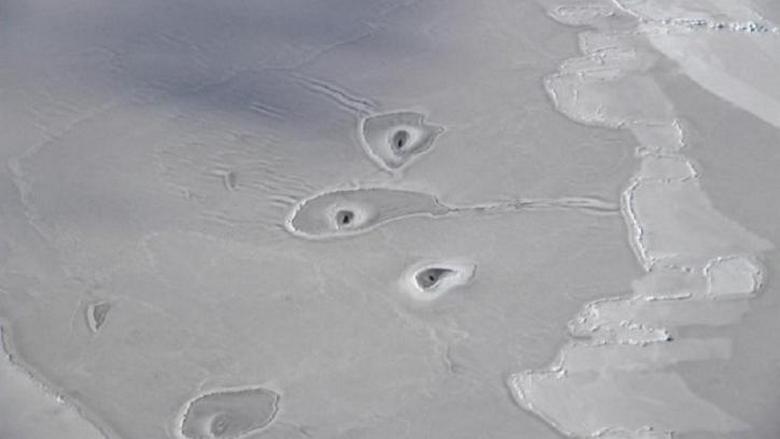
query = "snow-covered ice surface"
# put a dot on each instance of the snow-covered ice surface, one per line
(615, 378)
(389, 219)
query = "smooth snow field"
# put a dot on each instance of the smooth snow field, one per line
(425, 219)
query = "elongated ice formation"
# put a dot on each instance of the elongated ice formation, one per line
(352, 211)
(347, 212)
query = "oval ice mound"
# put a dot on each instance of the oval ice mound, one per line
(229, 414)
(426, 282)
(352, 211)
(393, 140)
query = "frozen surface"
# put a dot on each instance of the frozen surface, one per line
(348, 212)
(395, 139)
(694, 256)
(389, 219)
(228, 413)
(429, 281)
(31, 410)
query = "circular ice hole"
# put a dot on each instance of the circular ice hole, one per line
(345, 218)
(219, 425)
(429, 277)
(399, 140)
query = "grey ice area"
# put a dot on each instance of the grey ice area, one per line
(31, 410)
(699, 262)
(289, 219)
(228, 414)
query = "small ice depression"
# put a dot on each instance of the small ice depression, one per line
(395, 139)
(346, 212)
(96, 314)
(228, 414)
(429, 281)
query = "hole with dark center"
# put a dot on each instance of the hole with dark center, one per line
(345, 217)
(399, 140)
(429, 277)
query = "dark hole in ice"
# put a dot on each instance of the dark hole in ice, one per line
(395, 139)
(344, 217)
(429, 277)
(399, 140)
